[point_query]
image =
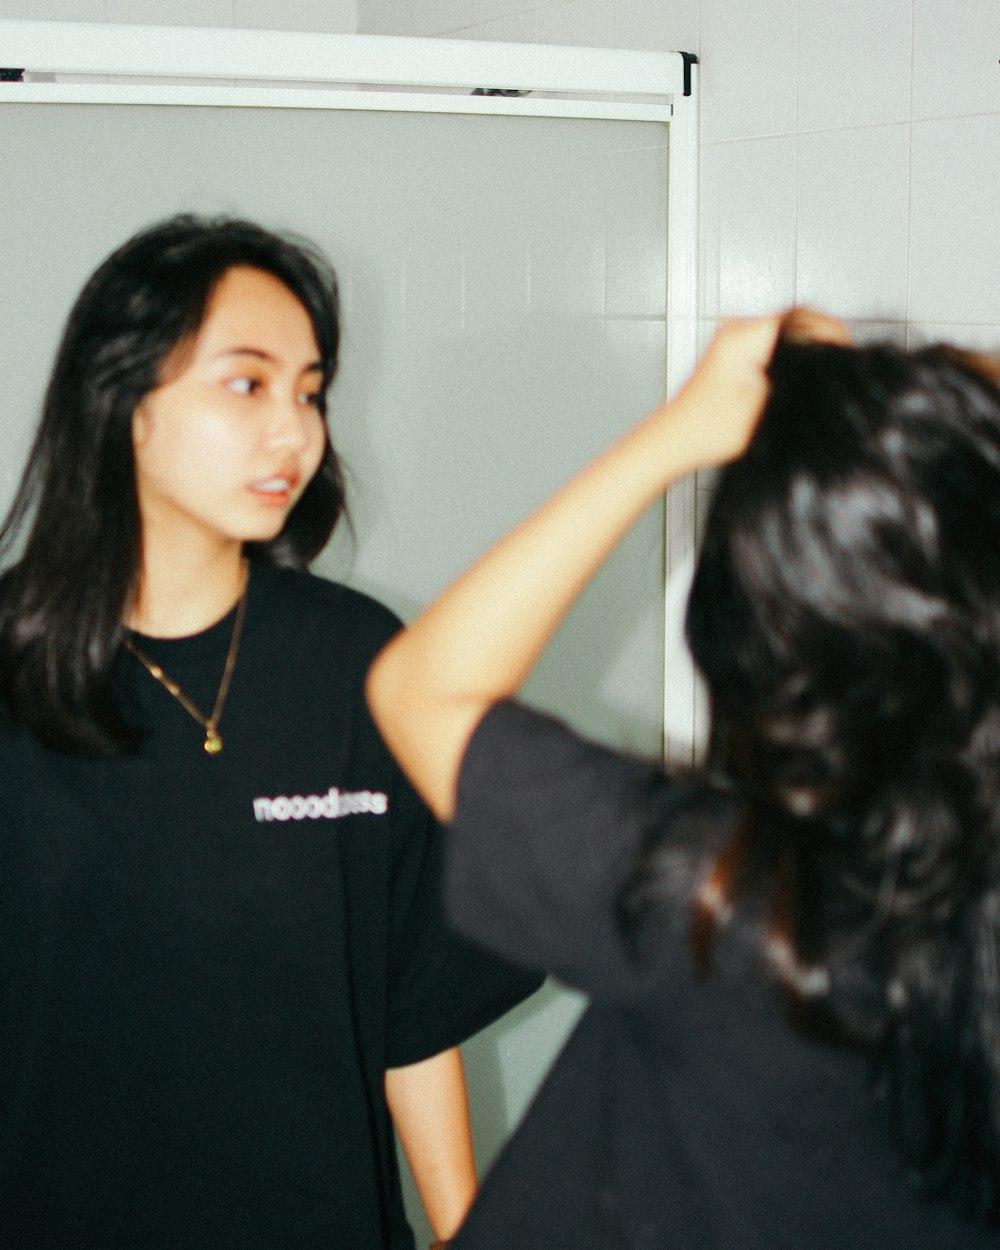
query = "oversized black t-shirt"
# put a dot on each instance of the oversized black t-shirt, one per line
(684, 1113)
(207, 963)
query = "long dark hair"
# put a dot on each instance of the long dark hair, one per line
(845, 613)
(76, 511)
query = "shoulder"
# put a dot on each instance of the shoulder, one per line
(311, 609)
(514, 739)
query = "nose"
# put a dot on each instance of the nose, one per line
(291, 424)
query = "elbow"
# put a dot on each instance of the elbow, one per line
(374, 683)
(382, 691)
(424, 725)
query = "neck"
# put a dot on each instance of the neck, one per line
(178, 597)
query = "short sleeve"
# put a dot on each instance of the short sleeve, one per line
(548, 830)
(442, 988)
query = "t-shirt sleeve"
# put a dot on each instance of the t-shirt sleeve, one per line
(442, 987)
(548, 830)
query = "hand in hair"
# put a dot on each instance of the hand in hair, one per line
(478, 642)
(717, 410)
(808, 325)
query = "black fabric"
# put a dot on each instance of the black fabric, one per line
(207, 963)
(684, 1113)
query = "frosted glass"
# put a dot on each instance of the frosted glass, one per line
(504, 301)
(504, 284)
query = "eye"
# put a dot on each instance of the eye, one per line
(311, 399)
(244, 386)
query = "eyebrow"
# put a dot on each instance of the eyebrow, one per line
(315, 366)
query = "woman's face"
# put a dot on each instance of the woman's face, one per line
(226, 446)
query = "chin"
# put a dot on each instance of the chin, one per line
(263, 533)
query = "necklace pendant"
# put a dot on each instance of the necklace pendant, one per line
(213, 743)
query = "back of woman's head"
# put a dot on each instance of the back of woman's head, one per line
(76, 515)
(846, 606)
(846, 616)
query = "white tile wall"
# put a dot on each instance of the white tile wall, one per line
(853, 188)
(848, 73)
(955, 221)
(652, 25)
(749, 74)
(171, 12)
(977, 338)
(747, 239)
(655, 26)
(429, 17)
(589, 23)
(55, 10)
(956, 47)
(331, 16)
(519, 27)
(823, 176)
(328, 16)
(880, 332)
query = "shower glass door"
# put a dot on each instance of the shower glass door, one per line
(507, 310)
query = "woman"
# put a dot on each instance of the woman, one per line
(794, 1035)
(222, 964)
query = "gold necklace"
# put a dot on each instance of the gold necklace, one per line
(213, 742)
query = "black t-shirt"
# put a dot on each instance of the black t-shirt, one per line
(207, 963)
(684, 1112)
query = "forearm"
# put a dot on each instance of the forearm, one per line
(430, 1109)
(479, 640)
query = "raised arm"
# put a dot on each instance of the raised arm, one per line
(479, 640)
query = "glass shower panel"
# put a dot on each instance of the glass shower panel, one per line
(504, 299)
(505, 318)
(504, 289)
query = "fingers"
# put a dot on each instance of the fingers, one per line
(809, 325)
(743, 347)
(979, 362)
(747, 343)
(725, 395)
(759, 334)
(730, 384)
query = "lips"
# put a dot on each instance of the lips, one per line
(279, 487)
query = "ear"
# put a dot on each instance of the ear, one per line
(142, 421)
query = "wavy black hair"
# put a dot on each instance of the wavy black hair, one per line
(845, 614)
(76, 516)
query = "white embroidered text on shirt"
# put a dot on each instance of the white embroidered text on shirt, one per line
(333, 805)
